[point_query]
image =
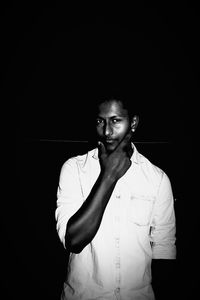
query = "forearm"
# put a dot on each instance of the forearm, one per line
(84, 224)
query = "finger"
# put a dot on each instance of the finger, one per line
(125, 141)
(102, 149)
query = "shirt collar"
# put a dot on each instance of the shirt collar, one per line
(134, 158)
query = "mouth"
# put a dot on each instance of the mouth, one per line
(109, 141)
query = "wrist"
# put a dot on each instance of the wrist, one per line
(108, 178)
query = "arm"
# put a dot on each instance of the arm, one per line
(163, 237)
(84, 224)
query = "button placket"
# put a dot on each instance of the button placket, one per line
(117, 243)
(117, 290)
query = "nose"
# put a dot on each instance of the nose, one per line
(108, 130)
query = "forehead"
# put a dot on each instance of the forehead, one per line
(111, 108)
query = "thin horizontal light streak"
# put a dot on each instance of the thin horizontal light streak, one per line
(84, 141)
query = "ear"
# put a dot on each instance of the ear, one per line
(134, 123)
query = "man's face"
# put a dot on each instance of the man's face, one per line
(112, 123)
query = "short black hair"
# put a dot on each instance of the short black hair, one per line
(131, 101)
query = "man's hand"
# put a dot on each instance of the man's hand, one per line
(115, 164)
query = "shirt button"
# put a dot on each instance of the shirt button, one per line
(117, 242)
(118, 196)
(118, 265)
(117, 290)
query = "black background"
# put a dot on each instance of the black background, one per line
(57, 59)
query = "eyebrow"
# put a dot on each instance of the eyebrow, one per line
(112, 117)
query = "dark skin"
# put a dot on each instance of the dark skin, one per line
(83, 225)
(114, 130)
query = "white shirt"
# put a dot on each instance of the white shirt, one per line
(138, 225)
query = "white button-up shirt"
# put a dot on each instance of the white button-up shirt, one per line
(138, 225)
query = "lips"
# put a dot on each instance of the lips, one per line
(109, 141)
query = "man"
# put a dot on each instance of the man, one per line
(115, 213)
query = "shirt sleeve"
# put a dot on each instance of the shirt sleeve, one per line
(69, 196)
(163, 229)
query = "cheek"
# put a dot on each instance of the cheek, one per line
(99, 130)
(122, 130)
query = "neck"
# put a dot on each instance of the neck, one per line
(130, 150)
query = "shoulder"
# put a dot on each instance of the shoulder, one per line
(146, 163)
(154, 172)
(78, 160)
(157, 176)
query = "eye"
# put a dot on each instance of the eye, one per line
(116, 121)
(99, 121)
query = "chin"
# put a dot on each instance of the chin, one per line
(110, 148)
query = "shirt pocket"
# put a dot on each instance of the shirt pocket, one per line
(140, 209)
